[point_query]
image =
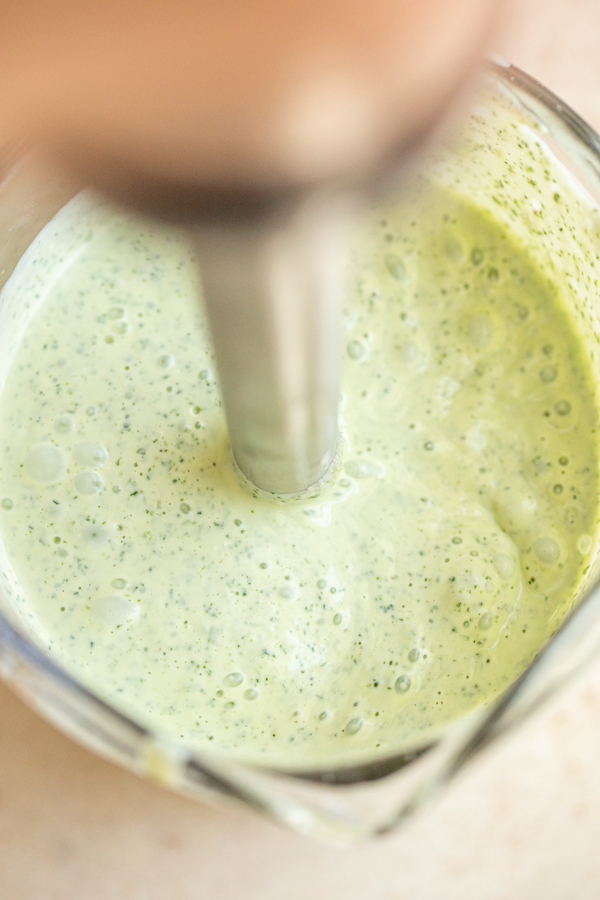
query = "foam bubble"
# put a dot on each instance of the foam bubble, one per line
(548, 374)
(354, 725)
(364, 468)
(114, 611)
(514, 511)
(504, 565)
(356, 350)
(481, 329)
(395, 267)
(94, 534)
(562, 407)
(234, 679)
(485, 621)
(402, 684)
(45, 463)
(570, 515)
(88, 483)
(409, 352)
(547, 550)
(54, 511)
(289, 592)
(564, 414)
(468, 580)
(64, 424)
(90, 455)
(584, 544)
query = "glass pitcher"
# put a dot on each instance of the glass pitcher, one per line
(515, 119)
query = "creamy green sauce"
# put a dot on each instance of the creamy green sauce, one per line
(408, 593)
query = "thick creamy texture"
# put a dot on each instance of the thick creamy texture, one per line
(409, 592)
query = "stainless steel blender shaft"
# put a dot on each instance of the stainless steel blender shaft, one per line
(272, 289)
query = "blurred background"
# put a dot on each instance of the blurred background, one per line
(523, 823)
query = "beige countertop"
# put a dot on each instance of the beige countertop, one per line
(522, 824)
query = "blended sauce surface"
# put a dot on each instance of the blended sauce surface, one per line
(409, 592)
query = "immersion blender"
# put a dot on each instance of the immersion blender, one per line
(262, 126)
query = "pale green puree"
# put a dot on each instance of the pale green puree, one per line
(409, 592)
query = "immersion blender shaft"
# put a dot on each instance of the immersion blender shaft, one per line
(272, 290)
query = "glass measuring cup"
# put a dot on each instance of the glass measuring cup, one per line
(349, 802)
